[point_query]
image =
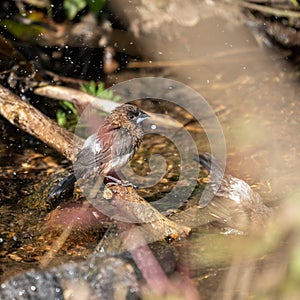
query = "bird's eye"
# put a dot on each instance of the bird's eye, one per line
(131, 116)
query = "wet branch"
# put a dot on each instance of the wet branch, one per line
(32, 121)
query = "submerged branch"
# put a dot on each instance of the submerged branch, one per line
(277, 12)
(135, 209)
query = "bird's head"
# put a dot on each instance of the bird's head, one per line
(127, 115)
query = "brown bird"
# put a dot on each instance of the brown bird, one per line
(234, 204)
(109, 149)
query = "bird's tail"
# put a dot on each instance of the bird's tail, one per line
(63, 187)
(209, 162)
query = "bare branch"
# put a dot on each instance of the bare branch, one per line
(82, 99)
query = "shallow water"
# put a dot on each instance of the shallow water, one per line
(254, 93)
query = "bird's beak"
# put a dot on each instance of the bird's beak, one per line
(142, 116)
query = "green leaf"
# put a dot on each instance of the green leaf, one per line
(69, 106)
(61, 118)
(96, 5)
(72, 7)
(22, 31)
(67, 115)
(93, 88)
(99, 91)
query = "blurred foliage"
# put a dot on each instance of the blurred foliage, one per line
(96, 5)
(293, 277)
(29, 23)
(26, 27)
(72, 7)
(295, 2)
(98, 90)
(67, 115)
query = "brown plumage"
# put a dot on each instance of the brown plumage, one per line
(109, 149)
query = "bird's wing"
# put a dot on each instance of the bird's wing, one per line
(113, 143)
(91, 148)
(123, 143)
